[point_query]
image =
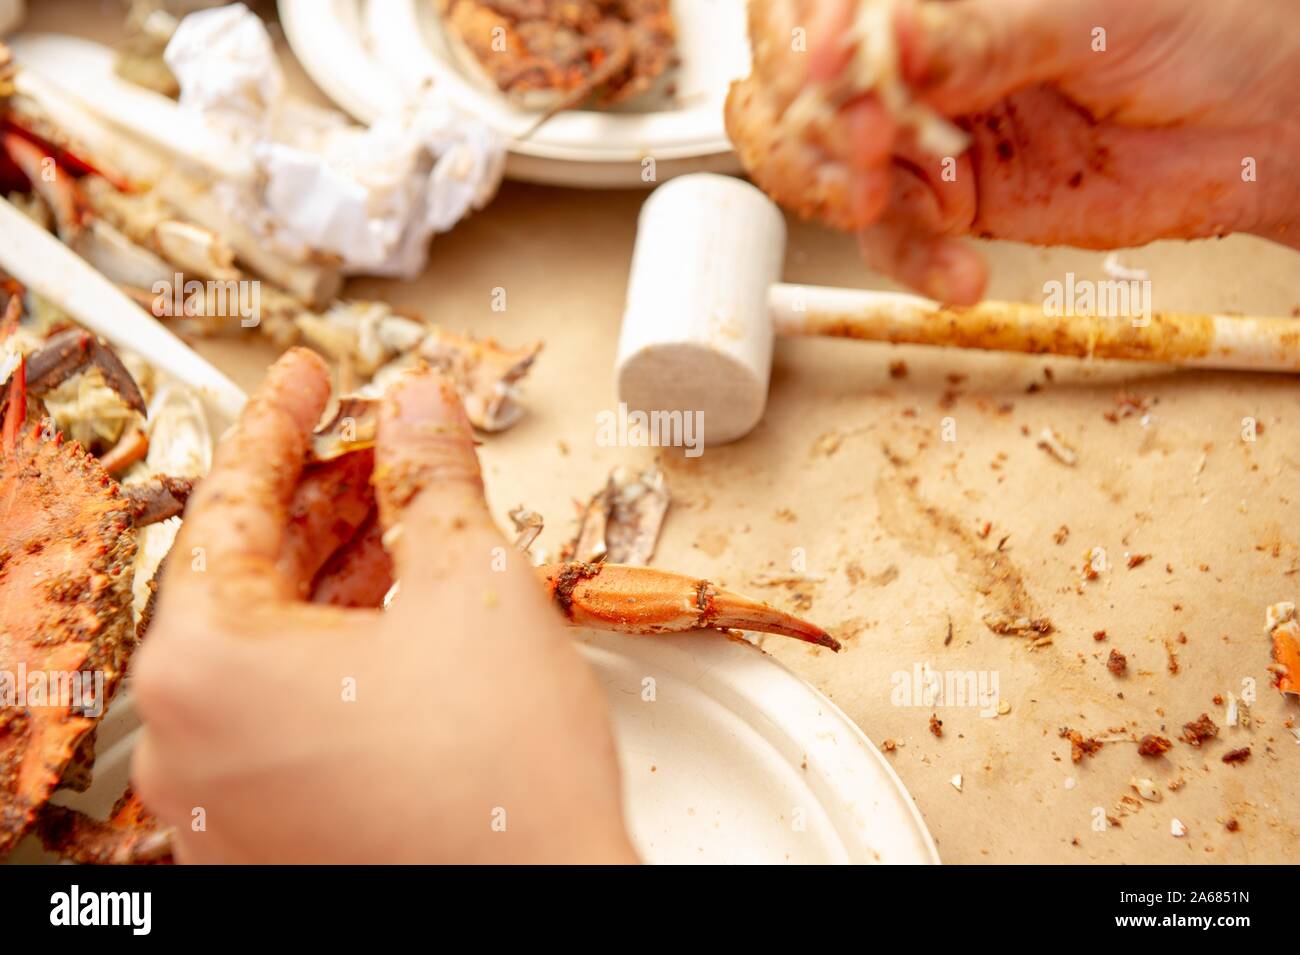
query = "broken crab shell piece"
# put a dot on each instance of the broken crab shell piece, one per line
(485, 374)
(645, 600)
(528, 525)
(130, 835)
(1284, 628)
(622, 521)
(352, 427)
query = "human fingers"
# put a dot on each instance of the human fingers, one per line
(235, 521)
(940, 267)
(427, 479)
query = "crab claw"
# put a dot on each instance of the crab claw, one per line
(73, 351)
(644, 600)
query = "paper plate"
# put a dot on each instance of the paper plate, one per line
(727, 757)
(374, 56)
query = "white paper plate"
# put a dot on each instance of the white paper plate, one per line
(727, 758)
(374, 56)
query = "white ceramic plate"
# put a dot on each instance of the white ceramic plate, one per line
(374, 56)
(727, 758)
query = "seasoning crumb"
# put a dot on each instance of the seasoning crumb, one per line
(888, 745)
(1117, 663)
(1233, 757)
(1099, 635)
(1152, 745)
(1062, 534)
(898, 369)
(1199, 730)
(1080, 746)
(936, 725)
(1137, 560)
(1094, 561)
(1232, 825)
(1007, 625)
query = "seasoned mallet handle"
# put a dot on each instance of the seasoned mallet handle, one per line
(1206, 341)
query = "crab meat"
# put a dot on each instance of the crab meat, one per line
(560, 53)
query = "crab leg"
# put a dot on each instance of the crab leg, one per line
(130, 449)
(55, 186)
(73, 351)
(645, 600)
(15, 406)
(157, 499)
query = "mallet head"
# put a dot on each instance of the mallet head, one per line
(697, 333)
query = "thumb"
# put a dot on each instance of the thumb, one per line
(965, 56)
(427, 480)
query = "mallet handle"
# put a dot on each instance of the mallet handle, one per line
(1207, 341)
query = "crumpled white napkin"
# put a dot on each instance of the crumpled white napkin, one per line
(371, 196)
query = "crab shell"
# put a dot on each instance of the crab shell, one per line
(66, 547)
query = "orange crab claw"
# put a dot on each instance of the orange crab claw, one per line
(645, 600)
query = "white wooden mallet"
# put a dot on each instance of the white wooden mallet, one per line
(704, 303)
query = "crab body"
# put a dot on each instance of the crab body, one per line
(67, 549)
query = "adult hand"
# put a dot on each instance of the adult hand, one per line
(459, 725)
(1093, 123)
